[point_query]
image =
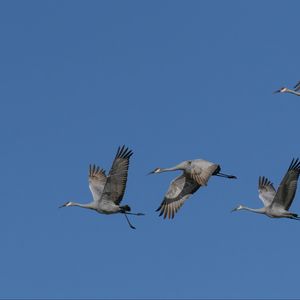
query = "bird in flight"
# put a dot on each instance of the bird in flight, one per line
(286, 90)
(195, 173)
(108, 191)
(277, 203)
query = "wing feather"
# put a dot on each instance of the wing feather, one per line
(180, 189)
(288, 186)
(97, 180)
(297, 86)
(202, 170)
(117, 178)
(266, 190)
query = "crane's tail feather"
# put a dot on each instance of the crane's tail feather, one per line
(295, 217)
(125, 208)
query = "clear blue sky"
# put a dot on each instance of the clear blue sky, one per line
(173, 80)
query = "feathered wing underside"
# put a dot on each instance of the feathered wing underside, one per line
(202, 170)
(297, 86)
(180, 189)
(116, 180)
(266, 190)
(288, 186)
(97, 180)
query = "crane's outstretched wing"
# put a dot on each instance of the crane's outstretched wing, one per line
(266, 190)
(180, 189)
(97, 180)
(288, 186)
(116, 180)
(201, 170)
(297, 86)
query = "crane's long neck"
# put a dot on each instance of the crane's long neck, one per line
(293, 92)
(87, 205)
(169, 169)
(255, 210)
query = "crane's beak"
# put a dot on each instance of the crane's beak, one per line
(235, 209)
(155, 171)
(152, 172)
(278, 91)
(64, 205)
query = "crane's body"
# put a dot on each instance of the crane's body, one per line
(195, 173)
(108, 191)
(295, 91)
(272, 212)
(277, 203)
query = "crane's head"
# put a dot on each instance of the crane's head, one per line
(155, 171)
(69, 203)
(238, 208)
(281, 90)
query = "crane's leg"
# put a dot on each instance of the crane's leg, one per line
(130, 225)
(294, 218)
(226, 176)
(135, 214)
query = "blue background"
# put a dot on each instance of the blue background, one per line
(173, 80)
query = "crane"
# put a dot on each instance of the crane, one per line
(108, 191)
(286, 90)
(277, 203)
(195, 173)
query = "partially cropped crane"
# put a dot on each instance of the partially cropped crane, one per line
(277, 204)
(286, 90)
(108, 191)
(196, 173)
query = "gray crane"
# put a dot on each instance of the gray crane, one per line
(286, 90)
(277, 204)
(196, 173)
(108, 191)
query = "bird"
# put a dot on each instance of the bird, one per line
(286, 90)
(195, 173)
(277, 203)
(108, 191)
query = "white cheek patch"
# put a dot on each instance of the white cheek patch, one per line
(68, 204)
(157, 171)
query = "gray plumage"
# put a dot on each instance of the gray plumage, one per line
(277, 203)
(196, 173)
(287, 90)
(97, 180)
(108, 191)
